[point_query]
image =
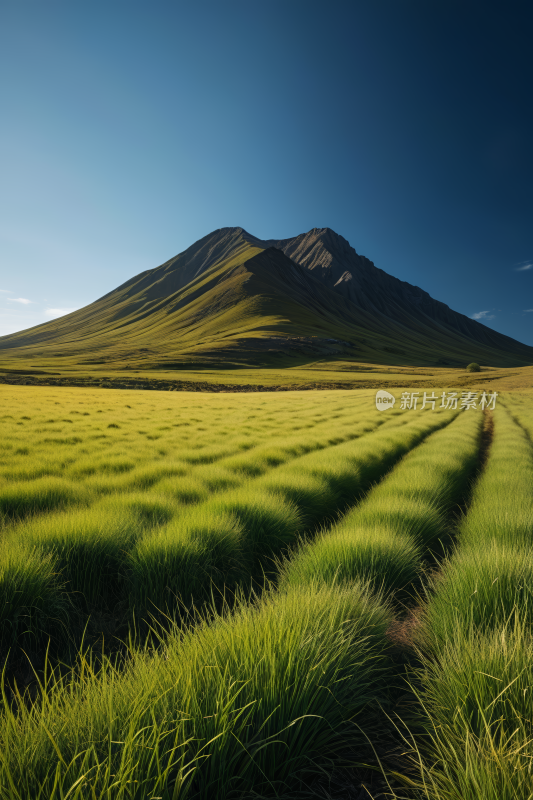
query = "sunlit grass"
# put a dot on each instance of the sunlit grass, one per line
(491, 570)
(474, 636)
(247, 700)
(88, 548)
(22, 498)
(172, 509)
(138, 464)
(32, 603)
(183, 563)
(476, 707)
(384, 537)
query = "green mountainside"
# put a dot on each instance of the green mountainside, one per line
(233, 300)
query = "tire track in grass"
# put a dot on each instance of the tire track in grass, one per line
(475, 644)
(522, 417)
(498, 525)
(404, 629)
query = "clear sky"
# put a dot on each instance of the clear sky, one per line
(128, 130)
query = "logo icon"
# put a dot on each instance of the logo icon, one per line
(384, 400)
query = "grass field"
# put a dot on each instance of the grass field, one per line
(287, 374)
(208, 595)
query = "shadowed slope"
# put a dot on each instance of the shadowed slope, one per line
(231, 299)
(332, 260)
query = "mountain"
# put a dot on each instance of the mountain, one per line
(332, 260)
(232, 299)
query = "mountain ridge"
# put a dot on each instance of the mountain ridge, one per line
(233, 298)
(337, 261)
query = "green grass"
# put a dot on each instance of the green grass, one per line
(271, 514)
(481, 587)
(475, 649)
(20, 499)
(174, 507)
(201, 553)
(247, 702)
(88, 550)
(146, 536)
(86, 508)
(385, 537)
(32, 602)
(476, 710)
(490, 571)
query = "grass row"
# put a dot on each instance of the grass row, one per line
(248, 700)
(226, 541)
(244, 702)
(131, 441)
(386, 537)
(90, 559)
(185, 477)
(476, 647)
(156, 492)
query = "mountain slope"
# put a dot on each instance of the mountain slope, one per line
(232, 299)
(331, 259)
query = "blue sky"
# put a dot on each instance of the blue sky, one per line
(131, 129)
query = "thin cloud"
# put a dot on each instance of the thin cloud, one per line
(527, 265)
(528, 310)
(484, 315)
(22, 300)
(59, 312)
(5, 291)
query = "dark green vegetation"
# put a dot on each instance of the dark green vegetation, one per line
(473, 367)
(475, 633)
(233, 302)
(294, 553)
(385, 538)
(135, 523)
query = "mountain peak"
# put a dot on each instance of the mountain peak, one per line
(231, 295)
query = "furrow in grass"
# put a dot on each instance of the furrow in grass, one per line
(101, 554)
(183, 562)
(490, 572)
(521, 412)
(109, 455)
(87, 549)
(475, 638)
(246, 699)
(386, 537)
(200, 480)
(187, 479)
(185, 482)
(260, 692)
(239, 705)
